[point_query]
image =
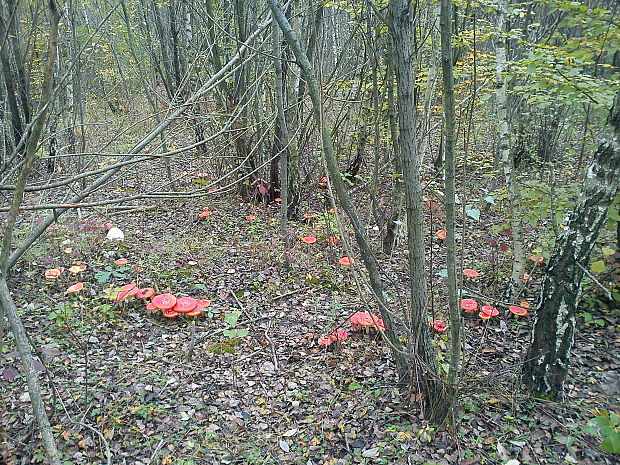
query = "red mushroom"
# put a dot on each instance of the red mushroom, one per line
(145, 293)
(489, 310)
(185, 305)
(346, 261)
(169, 313)
(367, 320)
(77, 287)
(201, 304)
(164, 301)
(325, 341)
(470, 273)
(52, 273)
(150, 306)
(517, 311)
(121, 261)
(469, 305)
(339, 335)
(308, 239)
(441, 234)
(439, 326)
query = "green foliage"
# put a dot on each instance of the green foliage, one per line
(120, 272)
(606, 425)
(61, 313)
(232, 320)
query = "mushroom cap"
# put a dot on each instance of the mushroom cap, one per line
(346, 261)
(469, 305)
(308, 215)
(169, 313)
(150, 306)
(121, 261)
(518, 311)
(195, 312)
(524, 304)
(439, 326)
(367, 319)
(125, 291)
(202, 303)
(205, 213)
(115, 234)
(52, 273)
(308, 239)
(77, 269)
(77, 287)
(484, 315)
(536, 259)
(164, 301)
(145, 293)
(250, 217)
(470, 273)
(339, 335)
(332, 239)
(489, 310)
(185, 305)
(325, 341)
(441, 234)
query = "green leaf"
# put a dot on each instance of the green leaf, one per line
(598, 266)
(607, 251)
(232, 318)
(354, 386)
(102, 276)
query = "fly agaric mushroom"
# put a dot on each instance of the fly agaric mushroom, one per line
(202, 303)
(121, 261)
(339, 335)
(439, 326)
(469, 305)
(145, 293)
(524, 304)
(75, 269)
(332, 239)
(325, 341)
(75, 288)
(308, 239)
(441, 234)
(517, 311)
(323, 181)
(489, 310)
(52, 273)
(367, 320)
(205, 213)
(250, 217)
(169, 313)
(536, 259)
(164, 301)
(195, 312)
(346, 261)
(185, 305)
(470, 273)
(125, 291)
(150, 306)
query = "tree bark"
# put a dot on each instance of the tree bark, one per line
(548, 356)
(449, 197)
(424, 368)
(6, 301)
(506, 160)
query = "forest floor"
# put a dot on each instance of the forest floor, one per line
(123, 387)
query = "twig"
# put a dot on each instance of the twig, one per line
(108, 452)
(273, 350)
(288, 293)
(603, 288)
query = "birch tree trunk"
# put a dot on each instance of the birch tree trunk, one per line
(548, 356)
(506, 160)
(424, 369)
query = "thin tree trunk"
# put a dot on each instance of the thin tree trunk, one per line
(506, 160)
(548, 356)
(335, 177)
(424, 369)
(449, 197)
(6, 301)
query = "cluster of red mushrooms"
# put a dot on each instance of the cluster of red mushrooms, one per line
(359, 321)
(169, 305)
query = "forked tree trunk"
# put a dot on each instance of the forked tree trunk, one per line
(548, 356)
(506, 160)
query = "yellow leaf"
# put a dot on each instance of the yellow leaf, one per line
(607, 251)
(598, 267)
(493, 400)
